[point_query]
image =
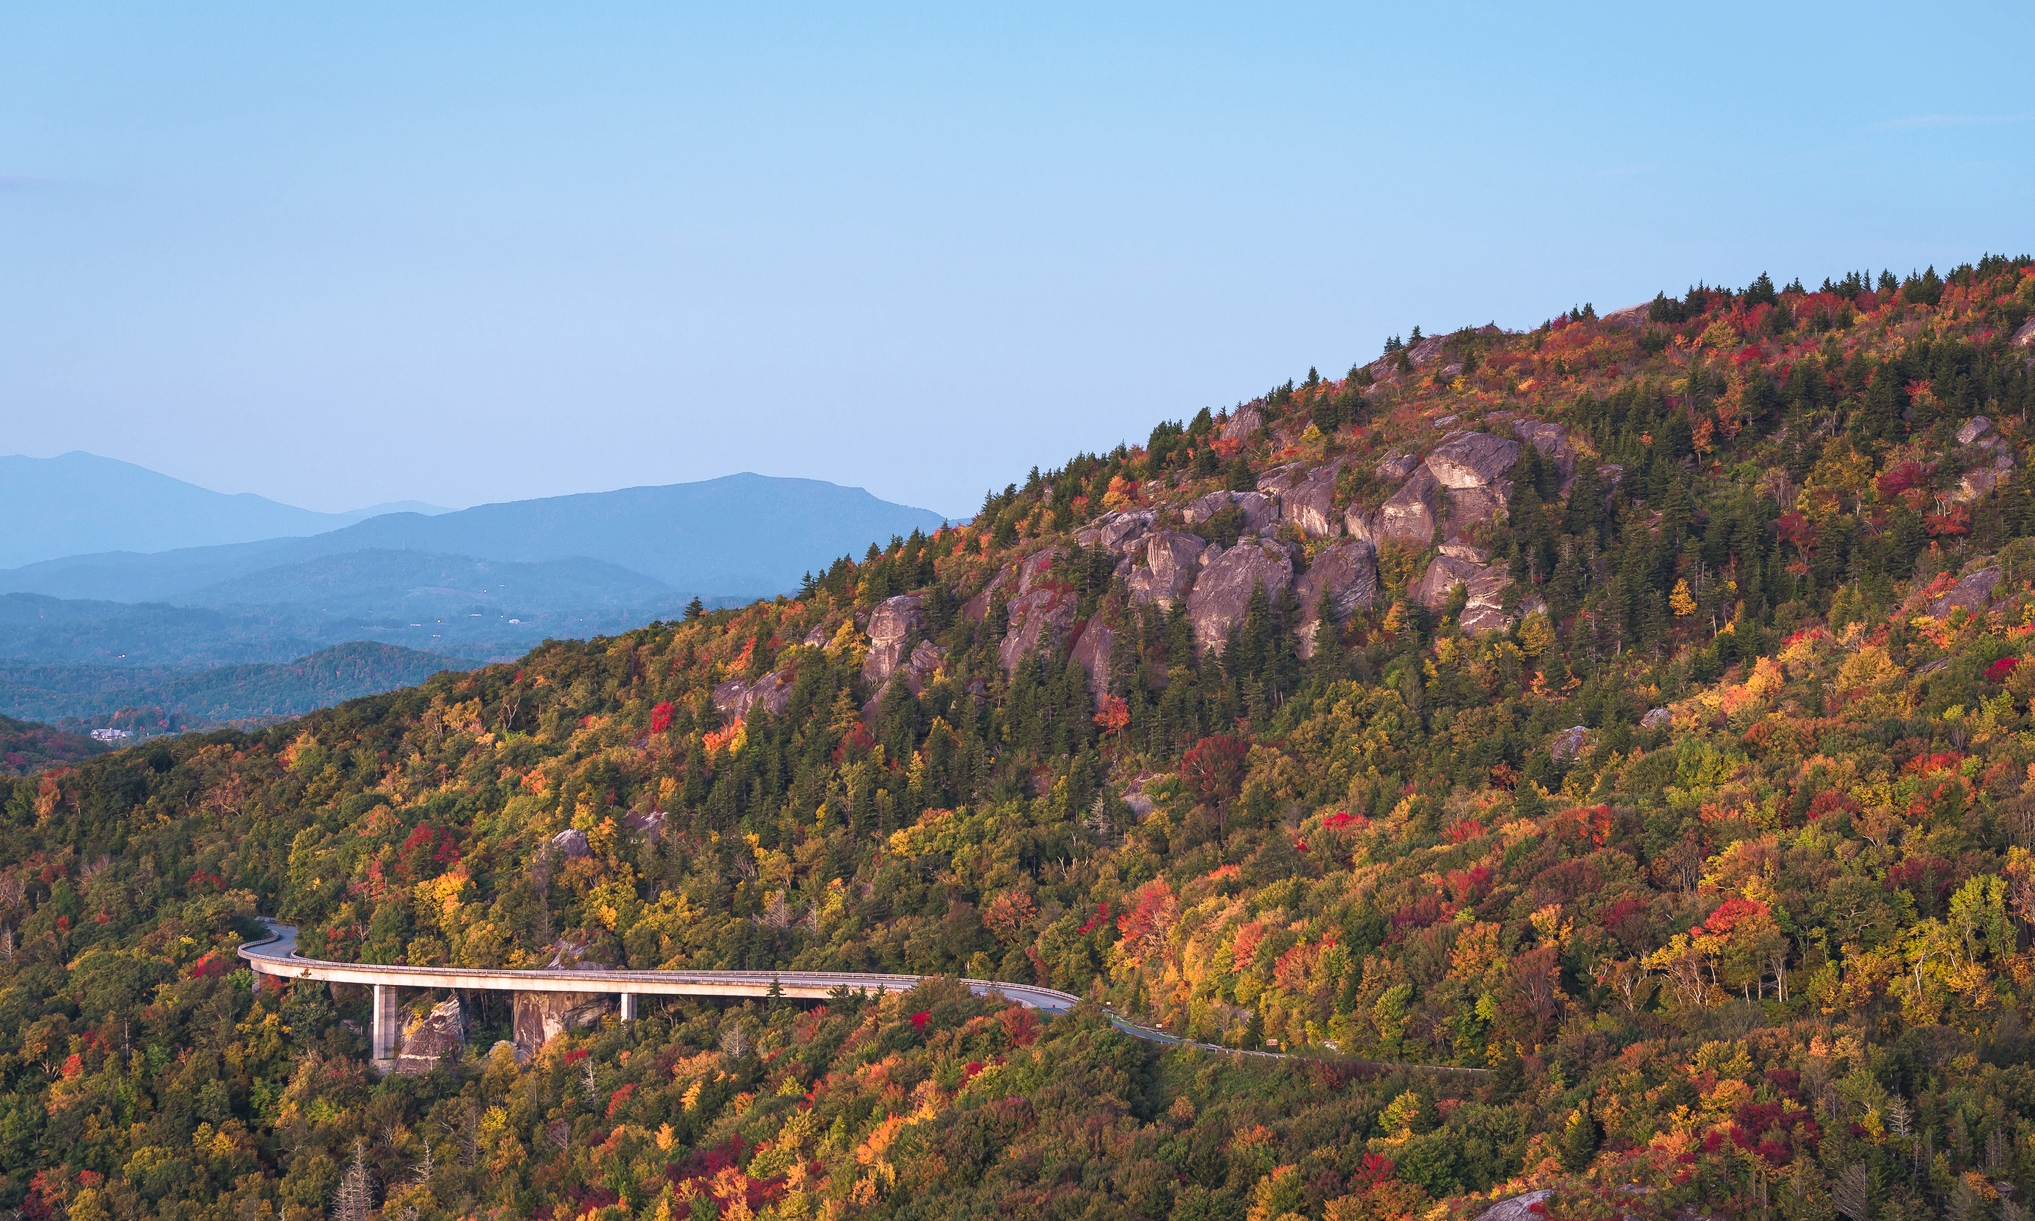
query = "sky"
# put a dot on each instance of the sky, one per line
(341, 255)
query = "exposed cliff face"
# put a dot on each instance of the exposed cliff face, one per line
(426, 1041)
(542, 1016)
(892, 627)
(1342, 578)
(1222, 593)
(1170, 566)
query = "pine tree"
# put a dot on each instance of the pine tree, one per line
(695, 608)
(1579, 1141)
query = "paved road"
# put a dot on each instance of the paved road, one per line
(277, 955)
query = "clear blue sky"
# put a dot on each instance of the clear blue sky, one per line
(341, 254)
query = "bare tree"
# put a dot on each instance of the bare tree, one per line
(1852, 1193)
(355, 1197)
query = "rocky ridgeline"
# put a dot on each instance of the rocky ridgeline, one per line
(1296, 536)
(1292, 538)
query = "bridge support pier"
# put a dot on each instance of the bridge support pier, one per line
(628, 1006)
(386, 1026)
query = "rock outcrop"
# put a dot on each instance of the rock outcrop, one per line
(975, 608)
(647, 823)
(1472, 459)
(1168, 568)
(1260, 511)
(2025, 337)
(1397, 466)
(1032, 571)
(1974, 593)
(1553, 443)
(426, 1042)
(893, 625)
(1568, 743)
(1409, 515)
(570, 843)
(1972, 429)
(1309, 505)
(1241, 425)
(1222, 593)
(1343, 577)
(1039, 620)
(1484, 583)
(1521, 1208)
(924, 663)
(1116, 532)
(736, 697)
(1093, 645)
(538, 1017)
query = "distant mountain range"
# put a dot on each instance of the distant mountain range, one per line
(78, 502)
(739, 536)
(153, 620)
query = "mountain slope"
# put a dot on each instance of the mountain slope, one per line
(27, 747)
(255, 692)
(79, 503)
(1635, 711)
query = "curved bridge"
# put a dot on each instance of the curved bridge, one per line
(276, 955)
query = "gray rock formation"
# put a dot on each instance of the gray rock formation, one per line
(1520, 1208)
(891, 629)
(1092, 649)
(1222, 593)
(1116, 532)
(1630, 316)
(1039, 620)
(1032, 571)
(1974, 428)
(1552, 442)
(1168, 569)
(425, 1042)
(1656, 718)
(1309, 504)
(647, 823)
(1397, 466)
(1469, 507)
(1568, 743)
(570, 843)
(539, 1017)
(1243, 424)
(1977, 482)
(1973, 593)
(1472, 459)
(2025, 337)
(1343, 577)
(975, 608)
(1259, 509)
(1275, 481)
(736, 697)
(925, 662)
(1409, 515)
(1485, 584)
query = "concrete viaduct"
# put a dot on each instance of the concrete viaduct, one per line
(276, 955)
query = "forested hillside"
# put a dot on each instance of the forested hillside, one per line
(1633, 709)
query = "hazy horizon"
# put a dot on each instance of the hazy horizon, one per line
(467, 255)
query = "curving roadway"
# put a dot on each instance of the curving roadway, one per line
(276, 955)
